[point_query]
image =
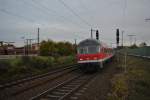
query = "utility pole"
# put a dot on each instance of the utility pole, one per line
(91, 33)
(27, 47)
(122, 38)
(29, 43)
(75, 40)
(38, 38)
(24, 50)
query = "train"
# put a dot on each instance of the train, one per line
(92, 54)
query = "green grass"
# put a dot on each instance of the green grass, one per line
(134, 84)
(22, 67)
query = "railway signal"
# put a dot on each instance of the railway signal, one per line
(117, 37)
(97, 35)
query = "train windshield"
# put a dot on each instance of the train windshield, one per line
(82, 50)
(88, 50)
(93, 49)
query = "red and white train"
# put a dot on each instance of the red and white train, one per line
(91, 54)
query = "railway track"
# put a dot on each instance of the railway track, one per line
(13, 83)
(65, 90)
(20, 86)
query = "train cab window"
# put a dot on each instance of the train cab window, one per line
(82, 50)
(93, 49)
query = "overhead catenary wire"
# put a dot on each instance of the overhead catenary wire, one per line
(50, 12)
(44, 10)
(16, 15)
(54, 12)
(31, 20)
(35, 5)
(73, 12)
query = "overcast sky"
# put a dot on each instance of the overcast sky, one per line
(73, 19)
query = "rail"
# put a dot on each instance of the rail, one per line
(64, 90)
(16, 82)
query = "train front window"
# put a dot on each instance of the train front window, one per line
(88, 50)
(82, 50)
(93, 49)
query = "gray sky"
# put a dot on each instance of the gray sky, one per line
(20, 18)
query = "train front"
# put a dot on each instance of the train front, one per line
(88, 54)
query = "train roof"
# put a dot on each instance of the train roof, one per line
(89, 42)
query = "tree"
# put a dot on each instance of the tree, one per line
(65, 48)
(44, 48)
(51, 48)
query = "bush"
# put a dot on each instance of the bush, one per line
(119, 88)
(41, 62)
(25, 66)
(16, 62)
(4, 66)
(65, 60)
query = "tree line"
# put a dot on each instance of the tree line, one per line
(52, 48)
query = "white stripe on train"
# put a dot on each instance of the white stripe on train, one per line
(93, 61)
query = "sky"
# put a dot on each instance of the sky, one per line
(67, 20)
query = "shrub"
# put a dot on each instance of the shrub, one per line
(65, 60)
(41, 62)
(4, 66)
(119, 88)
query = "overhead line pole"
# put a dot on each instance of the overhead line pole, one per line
(91, 33)
(29, 46)
(122, 38)
(38, 40)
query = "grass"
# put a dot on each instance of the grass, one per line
(134, 84)
(26, 66)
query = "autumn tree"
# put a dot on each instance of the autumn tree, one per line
(51, 48)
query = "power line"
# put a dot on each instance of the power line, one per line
(16, 15)
(39, 6)
(73, 12)
(46, 10)
(33, 5)
(43, 9)
(53, 11)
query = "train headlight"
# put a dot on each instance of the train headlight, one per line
(80, 59)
